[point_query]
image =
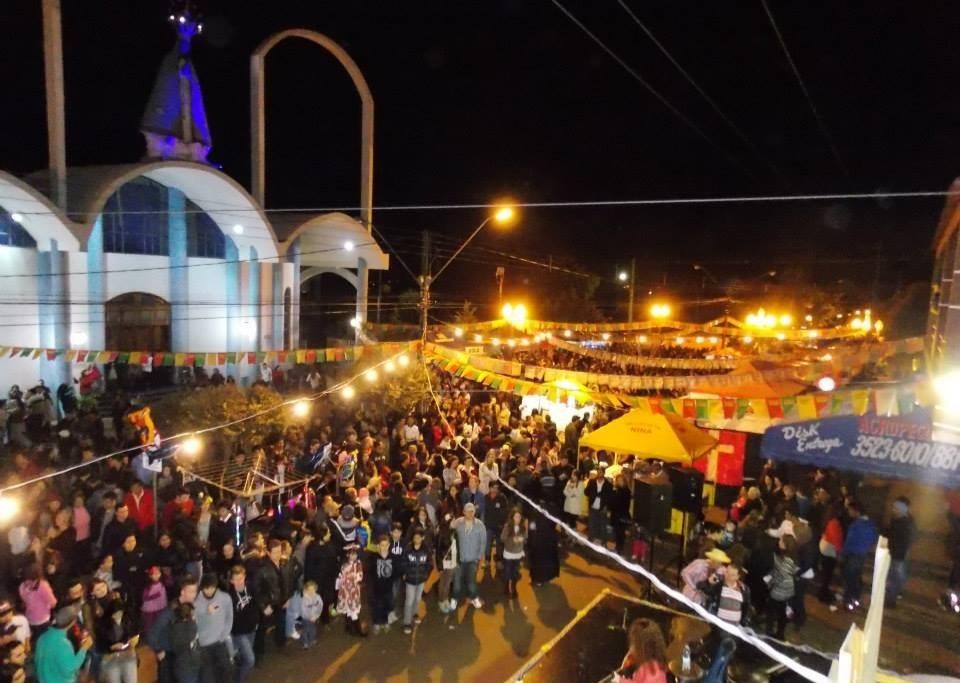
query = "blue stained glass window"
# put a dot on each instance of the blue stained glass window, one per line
(12, 234)
(205, 239)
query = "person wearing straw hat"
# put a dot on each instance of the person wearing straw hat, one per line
(707, 569)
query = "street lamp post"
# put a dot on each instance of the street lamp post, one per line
(624, 276)
(502, 216)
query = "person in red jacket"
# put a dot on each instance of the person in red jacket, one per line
(140, 502)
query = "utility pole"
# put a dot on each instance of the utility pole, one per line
(424, 283)
(501, 271)
(633, 282)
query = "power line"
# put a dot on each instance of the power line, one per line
(734, 127)
(653, 91)
(745, 199)
(806, 93)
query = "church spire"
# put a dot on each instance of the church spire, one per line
(174, 123)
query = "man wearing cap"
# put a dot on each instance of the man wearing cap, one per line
(471, 545)
(55, 659)
(707, 569)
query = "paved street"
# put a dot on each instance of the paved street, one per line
(492, 643)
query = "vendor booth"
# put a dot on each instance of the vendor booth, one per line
(562, 399)
(662, 436)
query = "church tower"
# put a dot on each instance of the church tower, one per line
(174, 123)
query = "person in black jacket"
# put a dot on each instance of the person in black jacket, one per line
(383, 570)
(247, 612)
(116, 643)
(274, 594)
(619, 505)
(118, 529)
(901, 535)
(416, 565)
(321, 564)
(130, 568)
(495, 511)
(598, 491)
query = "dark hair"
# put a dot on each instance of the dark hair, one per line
(183, 611)
(396, 526)
(8, 671)
(646, 642)
(208, 581)
(381, 538)
(109, 495)
(187, 580)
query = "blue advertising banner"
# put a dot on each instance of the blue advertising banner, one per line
(883, 446)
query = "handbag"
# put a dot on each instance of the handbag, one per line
(448, 562)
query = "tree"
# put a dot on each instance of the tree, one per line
(466, 315)
(190, 411)
(407, 389)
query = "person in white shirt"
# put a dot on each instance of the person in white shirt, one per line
(411, 432)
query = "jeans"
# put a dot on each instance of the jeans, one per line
(597, 525)
(411, 601)
(466, 571)
(827, 565)
(896, 580)
(382, 605)
(309, 628)
(798, 603)
(278, 621)
(444, 584)
(243, 645)
(215, 662)
(488, 552)
(293, 613)
(776, 618)
(511, 570)
(853, 578)
(119, 669)
(397, 596)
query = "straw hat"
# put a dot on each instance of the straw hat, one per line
(718, 555)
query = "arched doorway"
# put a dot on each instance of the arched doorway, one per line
(138, 321)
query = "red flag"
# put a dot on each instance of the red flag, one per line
(689, 408)
(729, 408)
(775, 408)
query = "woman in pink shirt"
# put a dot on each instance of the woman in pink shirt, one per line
(646, 661)
(38, 600)
(81, 524)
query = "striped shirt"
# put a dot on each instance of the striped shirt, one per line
(730, 607)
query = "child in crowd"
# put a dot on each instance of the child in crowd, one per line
(348, 589)
(311, 607)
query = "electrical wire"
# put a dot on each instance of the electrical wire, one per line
(653, 91)
(696, 86)
(821, 124)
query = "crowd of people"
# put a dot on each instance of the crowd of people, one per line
(97, 574)
(562, 359)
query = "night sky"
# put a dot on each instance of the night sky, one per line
(480, 100)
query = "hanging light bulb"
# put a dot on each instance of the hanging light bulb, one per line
(191, 446)
(348, 392)
(8, 508)
(301, 408)
(389, 366)
(403, 360)
(457, 332)
(370, 375)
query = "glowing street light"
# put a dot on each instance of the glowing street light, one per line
(370, 375)
(605, 336)
(457, 332)
(504, 215)
(516, 315)
(478, 338)
(660, 311)
(947, 388)
(826, 383)
(348, 246)
(389, 366)
(9, 507)
(623, 276)
(191, 446)
(403, 360)
(568, 333)
(348, 392)
(301, 408)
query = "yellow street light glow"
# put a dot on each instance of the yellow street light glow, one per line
(748, 339)
(478, 338)
(878, 326)
(699, 340)
(808, 318)
(642, 339)
(9, 507)
(524, 342)
(403, 360)
(301, 408)
(948, 391)
(511, 342)
(504, 215)
(354, 322)
(605, 336)
(370, 375)
(495, 341)
(389, 366)
(786, 320)
(713, 340)
(781, 336)
(622, 276)
(568, 333)
(680, 340)
(457, 332)
(826, 383)
(348, 392)
(813, 334)
(191, 446)
(856, 324)
(507, 311)
(660, 311)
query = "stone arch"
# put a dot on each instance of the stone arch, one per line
(258, 115)
(311, 273)
(42, 220)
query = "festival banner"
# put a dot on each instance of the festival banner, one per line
(883, 446)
